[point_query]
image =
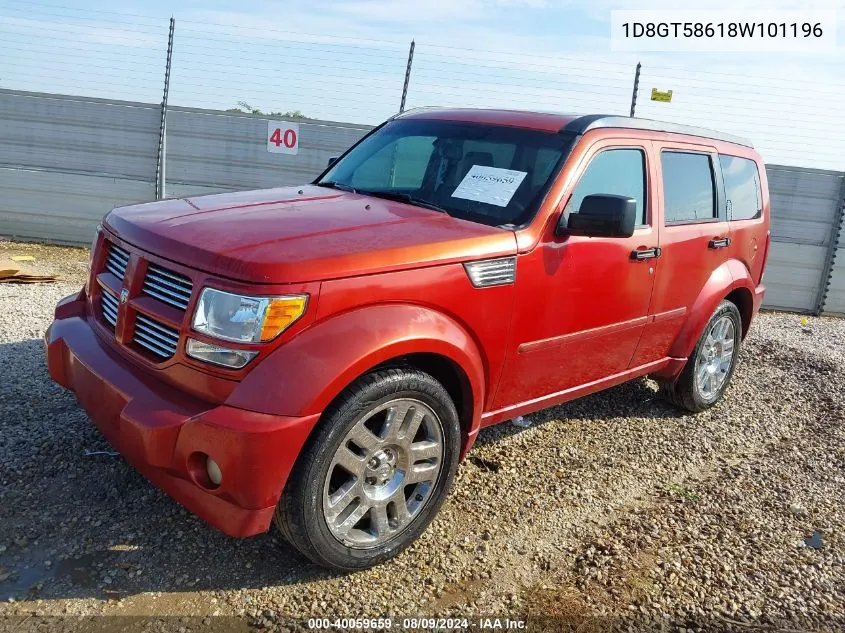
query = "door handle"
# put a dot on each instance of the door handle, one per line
(719, 242)
(645, 253)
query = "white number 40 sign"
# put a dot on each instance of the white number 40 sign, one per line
(282, 137)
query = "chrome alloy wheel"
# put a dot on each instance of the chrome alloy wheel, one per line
(715, 358)
(383, 473)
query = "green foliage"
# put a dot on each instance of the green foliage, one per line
(685, 493)
(243, 106)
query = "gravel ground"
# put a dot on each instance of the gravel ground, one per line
(613, 511)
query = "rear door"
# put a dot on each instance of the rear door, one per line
(694, 240)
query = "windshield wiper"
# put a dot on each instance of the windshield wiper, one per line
(404, 197)
(337, 185)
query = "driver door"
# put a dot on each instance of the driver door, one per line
(582, 302)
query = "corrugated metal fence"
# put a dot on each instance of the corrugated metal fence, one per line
(66, 161)
(215, 151)
(834, 300)
(806, 209)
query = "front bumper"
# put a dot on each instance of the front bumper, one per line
(165, 433)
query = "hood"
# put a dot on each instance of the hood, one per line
(299, 234)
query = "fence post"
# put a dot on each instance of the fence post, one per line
(636, 88)
(161, 170)
(836, 229)
(407, 77)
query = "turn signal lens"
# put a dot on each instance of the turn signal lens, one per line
(217, 355)
(280, 314)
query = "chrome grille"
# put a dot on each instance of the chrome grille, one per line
(109, 305)
(159, 339)
(117, 260)
(167, 286)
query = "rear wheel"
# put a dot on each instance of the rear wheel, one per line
(375, 473)
(710, 367)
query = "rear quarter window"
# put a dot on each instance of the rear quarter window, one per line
(742, 187)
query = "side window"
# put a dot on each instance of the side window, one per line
(398, 165)
(688, 191)
(619, 172)
(742, 187)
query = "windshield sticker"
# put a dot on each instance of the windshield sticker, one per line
(490, 185)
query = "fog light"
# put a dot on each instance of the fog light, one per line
(213, 470)
(217, 355)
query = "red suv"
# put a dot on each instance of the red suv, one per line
(323, 356)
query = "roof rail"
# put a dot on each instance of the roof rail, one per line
(600, 121)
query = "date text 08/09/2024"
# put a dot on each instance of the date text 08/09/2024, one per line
(418, 623)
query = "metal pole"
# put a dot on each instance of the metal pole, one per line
(161, 169)
(636, 88)
(407, 77)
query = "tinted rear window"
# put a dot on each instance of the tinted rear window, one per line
(742, 187)
(688, 191)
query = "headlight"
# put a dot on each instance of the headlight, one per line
(246, 319)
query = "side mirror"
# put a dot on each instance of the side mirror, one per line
(332, 160)
(601, 215)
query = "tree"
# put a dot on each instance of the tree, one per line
(243, 106)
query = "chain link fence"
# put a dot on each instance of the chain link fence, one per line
(106, 108)
(242, 64)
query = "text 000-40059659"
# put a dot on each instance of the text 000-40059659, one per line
(417, 623)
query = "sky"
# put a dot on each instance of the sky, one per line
(345, 61)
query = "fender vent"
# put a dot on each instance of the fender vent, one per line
(492, 272)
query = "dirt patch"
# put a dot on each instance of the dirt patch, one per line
(69, 264)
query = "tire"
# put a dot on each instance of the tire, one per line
(374, 472)
(690, 391)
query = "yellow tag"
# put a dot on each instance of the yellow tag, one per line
(23, 258)
(661, 95)
(805, 321)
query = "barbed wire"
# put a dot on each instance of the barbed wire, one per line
(53, 47)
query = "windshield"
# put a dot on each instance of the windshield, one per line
(490, 174)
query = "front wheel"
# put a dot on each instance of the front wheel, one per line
(709, 369)
(375, 472)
